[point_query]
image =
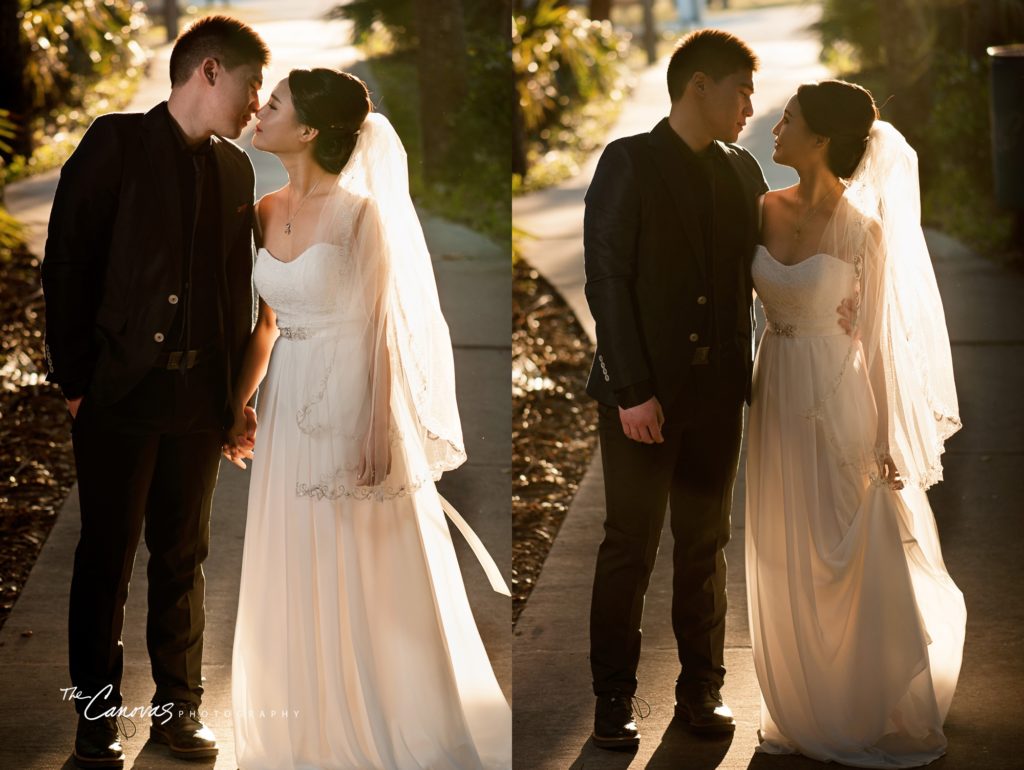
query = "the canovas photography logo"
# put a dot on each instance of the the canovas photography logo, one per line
(161, 712)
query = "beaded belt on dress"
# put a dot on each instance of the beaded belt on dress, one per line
(295, 332)
(809, 330)
(332, 327)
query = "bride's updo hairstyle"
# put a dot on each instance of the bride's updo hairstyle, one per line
(844, 112)
(336, 104)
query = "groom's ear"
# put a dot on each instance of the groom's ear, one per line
(209, 70)
(699, 81)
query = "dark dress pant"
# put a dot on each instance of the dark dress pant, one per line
(692, 473)
(154, 474)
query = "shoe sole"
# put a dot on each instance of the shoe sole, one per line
(709, 729)
(615, 743)
(158, 737)
(85, 762)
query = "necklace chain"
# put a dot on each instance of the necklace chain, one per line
(798, 229)
(291, 216)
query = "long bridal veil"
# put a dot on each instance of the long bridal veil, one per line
(902, 328)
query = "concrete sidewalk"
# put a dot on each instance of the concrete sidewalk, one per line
(977, 507)
(36, 727)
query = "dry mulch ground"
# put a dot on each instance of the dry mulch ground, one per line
(36, 462)
(554, 422)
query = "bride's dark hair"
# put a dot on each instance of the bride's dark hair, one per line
(844, 112)
(336, 104)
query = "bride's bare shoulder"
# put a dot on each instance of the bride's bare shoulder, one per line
(780, 199)
(269, 204)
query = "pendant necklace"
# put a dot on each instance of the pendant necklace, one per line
(291, 216)
(798, 230)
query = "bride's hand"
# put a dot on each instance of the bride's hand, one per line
(375, 463)
(241, 438)
(889, 472)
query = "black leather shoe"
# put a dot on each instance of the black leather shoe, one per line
(183, 733)
(614, 722)
(700, 706)
(97, 744)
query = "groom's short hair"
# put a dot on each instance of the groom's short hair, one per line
(714, 52)
(229, 40)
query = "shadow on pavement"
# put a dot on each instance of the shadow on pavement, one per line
(680, 747)
(593, 758)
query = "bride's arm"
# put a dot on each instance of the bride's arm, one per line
(257, 357)
(870, 324)
(242, 435)
(371, 252)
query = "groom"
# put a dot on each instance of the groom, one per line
(147, 279)
(669, 234)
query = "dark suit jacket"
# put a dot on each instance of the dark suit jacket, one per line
(113, 267)
(648, 279)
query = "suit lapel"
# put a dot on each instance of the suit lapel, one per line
(159, 143)
(678, 180)
(230, 215)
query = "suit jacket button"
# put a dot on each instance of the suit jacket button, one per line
(694, 337)
(159, 337)
(173, 299)
(702, 300)
(607, 378)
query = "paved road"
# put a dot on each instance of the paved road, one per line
(36, 728)
(977, 507)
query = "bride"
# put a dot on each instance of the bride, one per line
(355, 645)
(857, 628)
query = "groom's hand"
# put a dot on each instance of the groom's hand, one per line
(643, 422)
(241, 438)
(847, 316)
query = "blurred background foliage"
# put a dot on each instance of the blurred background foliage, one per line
(443, 70)
(927, 59)
(570, 80)
(61, 64)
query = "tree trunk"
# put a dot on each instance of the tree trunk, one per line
(907, 37)
(171, 19)
(14, 96)
(600, 10)
(441, 70)
(650, 32)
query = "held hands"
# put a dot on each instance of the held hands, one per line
(241, 438)
(643, 422)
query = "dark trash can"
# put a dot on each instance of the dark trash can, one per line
(1008, 124)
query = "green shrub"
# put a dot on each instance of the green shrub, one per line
(570, 75)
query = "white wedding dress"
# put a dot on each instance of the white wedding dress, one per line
(856, 627)
(355, 646)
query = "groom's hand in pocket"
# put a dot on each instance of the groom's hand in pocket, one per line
(643, 422)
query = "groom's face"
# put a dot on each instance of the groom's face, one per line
(727, 104)
(232, 96)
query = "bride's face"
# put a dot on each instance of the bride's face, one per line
(795, 143)
(278, 129)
